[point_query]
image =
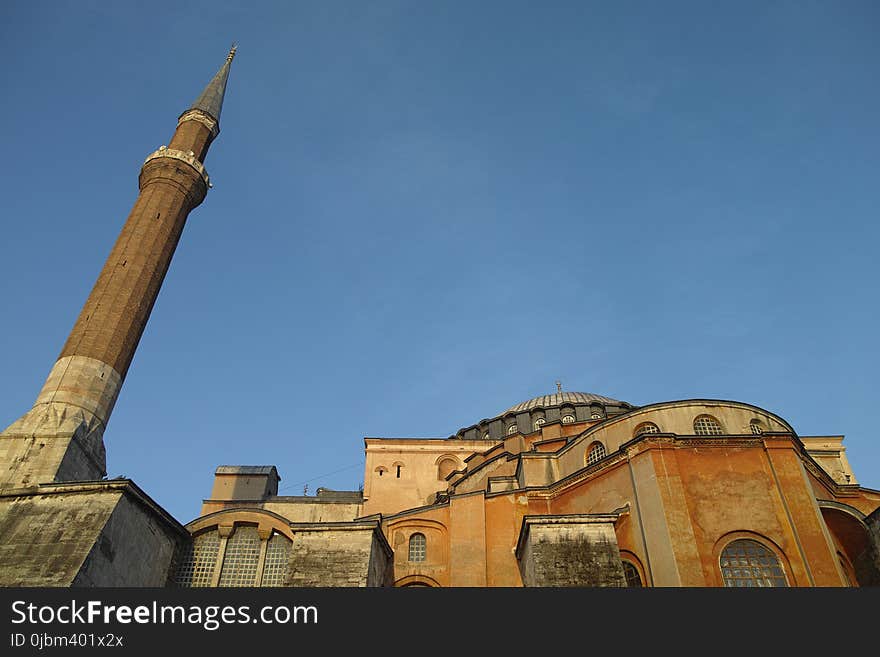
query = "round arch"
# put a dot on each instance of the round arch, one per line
(853, 539)
(416, 580)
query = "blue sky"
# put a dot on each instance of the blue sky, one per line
(426, 212)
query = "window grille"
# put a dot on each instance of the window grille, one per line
(241, 558)
(596, 453)
(706, 425)
(745, 562)
(417, 547)
(277, 560)
(197, 566)
(646, 427)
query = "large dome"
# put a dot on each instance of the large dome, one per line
(530, 415)
(560, 398)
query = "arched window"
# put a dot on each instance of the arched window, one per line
(486, 436)
(511, 430)
(241, 558)
(596, 453)
(595, 414)
(568, 419)
(417, 547)
(631, 573)
(646, 427)
(756, 426)
(197, 566)
(745, 562)
(277, 558)
(706, 425)
(539, 422)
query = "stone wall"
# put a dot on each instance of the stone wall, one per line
(566, 551)
(88, 534)
(340, 555)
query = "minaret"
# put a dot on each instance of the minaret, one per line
(61, 438)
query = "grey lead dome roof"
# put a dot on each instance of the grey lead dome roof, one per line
(581, 402)
(560, 398)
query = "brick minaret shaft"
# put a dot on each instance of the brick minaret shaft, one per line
(61, 437)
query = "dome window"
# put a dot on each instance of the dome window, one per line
(596, 453)
(511, 430)
(646, 427)
(568, 419)
(706, 425)
(539, 422)
(756, 426)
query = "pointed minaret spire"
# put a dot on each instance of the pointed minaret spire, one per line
(211, 100)
(61, 437)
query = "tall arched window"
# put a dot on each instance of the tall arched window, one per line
(706, 425)
(596, 453)
(241, 558)
(745, 562)
(631, 573)
(197, 566)
(417, 547)
(277, 559)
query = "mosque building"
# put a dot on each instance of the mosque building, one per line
(570, 489)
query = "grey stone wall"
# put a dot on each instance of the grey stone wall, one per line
(135, 548)
(381, 571)
(90, 534)
(340, 555)
(567, 551)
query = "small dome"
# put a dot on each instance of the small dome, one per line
(560, 398)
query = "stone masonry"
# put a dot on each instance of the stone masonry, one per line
(86, 534)
(340, 554)
(576, 550)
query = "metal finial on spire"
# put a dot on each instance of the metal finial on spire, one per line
(559, 386)
(211, 100)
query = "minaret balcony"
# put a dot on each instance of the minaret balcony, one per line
(188, 158)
